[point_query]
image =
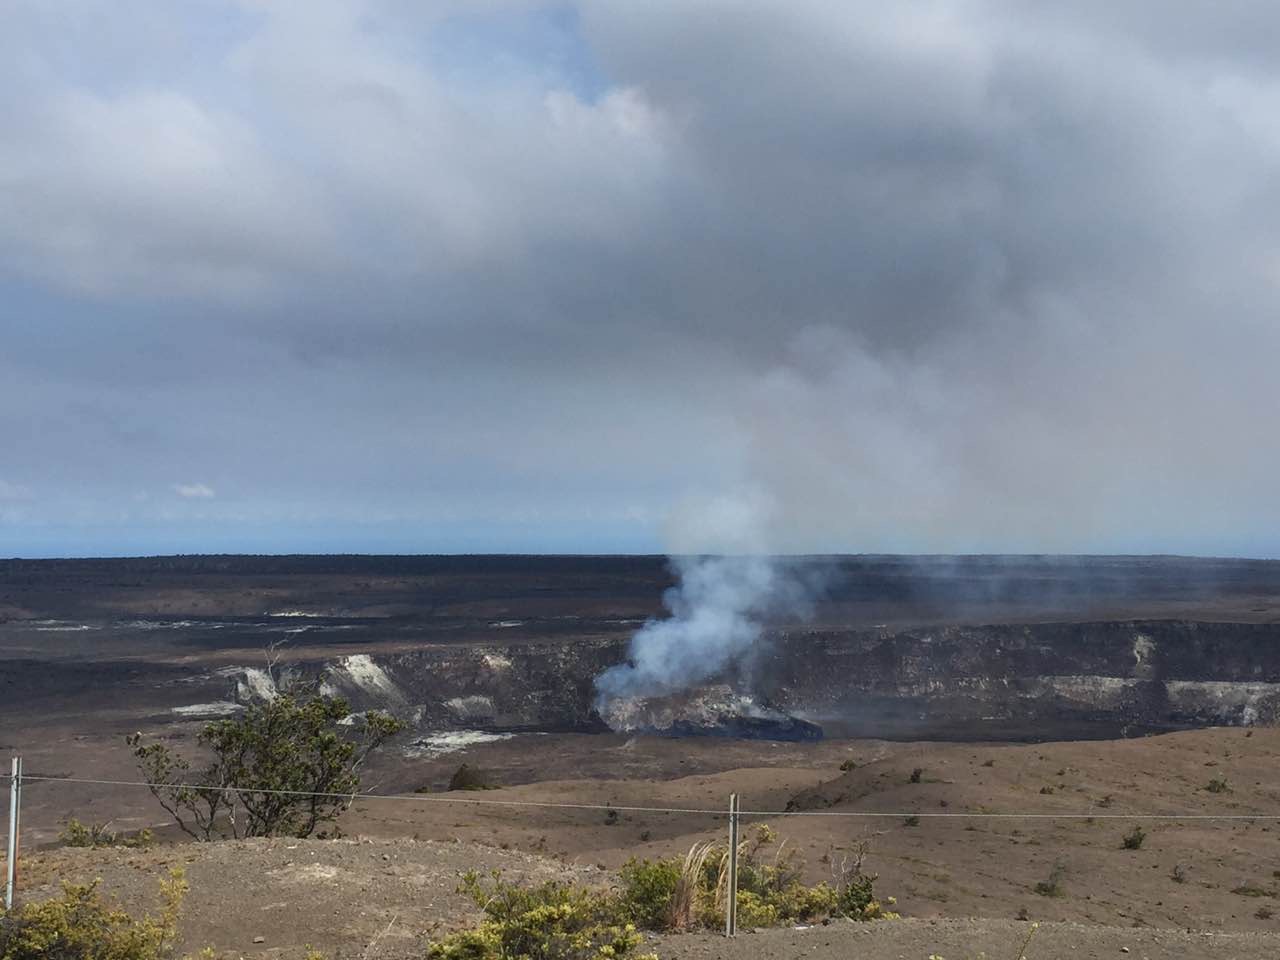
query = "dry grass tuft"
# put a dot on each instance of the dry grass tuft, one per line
(683, 910)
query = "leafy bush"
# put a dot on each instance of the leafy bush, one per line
(79, 925)
(847, 765)
(916, 774)
(675, 894)
(77, 834)
(468, 778)
(1217, 785)
(649, 891)
(1133, 840)
(559, 922)
(856, 899)
(1052, 887)
(549, 922)
(280, 769)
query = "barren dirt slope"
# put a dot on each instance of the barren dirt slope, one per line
(379, 900)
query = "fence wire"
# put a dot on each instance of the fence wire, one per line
(685, 811)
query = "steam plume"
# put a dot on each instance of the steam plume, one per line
(716, 616)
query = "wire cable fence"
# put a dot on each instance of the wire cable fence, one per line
(625, 808)
(524, 810)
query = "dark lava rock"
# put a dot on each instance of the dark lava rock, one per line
(782, 727)
(716, 710)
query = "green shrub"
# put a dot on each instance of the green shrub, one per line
(77, 834)
(1217, 785)
(755, 911)
(856, 899)
(281, 768)
(1052, 887)
(1251, 889)
(648, 889)
(847, 765)
(916, 774)
(675, 893)
(79, 925)
(468, 778)
(549, 922)
(1133, 840)
(560, 922)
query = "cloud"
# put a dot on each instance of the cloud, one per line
(14, 491)
(194, 491)
(960, 275)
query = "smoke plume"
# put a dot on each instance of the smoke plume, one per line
(715, 610)
(720, 602)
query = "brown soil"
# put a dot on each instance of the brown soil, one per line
(382, 900)
(335, 895)
(970, 940)
(944, 866)
(1193, 888)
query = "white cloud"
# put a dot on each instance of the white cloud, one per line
(946, 276)
(14, 491)
(194, 491)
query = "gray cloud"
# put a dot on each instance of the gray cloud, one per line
(947, 276)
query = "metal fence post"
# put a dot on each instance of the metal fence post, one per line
(15, 799)
(731, 896)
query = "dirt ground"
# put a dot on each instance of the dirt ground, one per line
(969, 940)
(335, 895)
(383, 900)
(1192, 888)
(981, 843)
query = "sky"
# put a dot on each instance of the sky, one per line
(706, 275)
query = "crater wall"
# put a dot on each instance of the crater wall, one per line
(1008, 681)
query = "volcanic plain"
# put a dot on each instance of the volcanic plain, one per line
(994, 729)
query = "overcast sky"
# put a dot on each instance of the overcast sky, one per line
(381, 275)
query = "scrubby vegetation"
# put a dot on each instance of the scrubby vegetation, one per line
(282, 768)
(80, 925)
(1251, 889)
(1134, 839)
(77, 834)
(671, 894)
(1053, 886)
(540, 923)
(469, 778)
(674, 893)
